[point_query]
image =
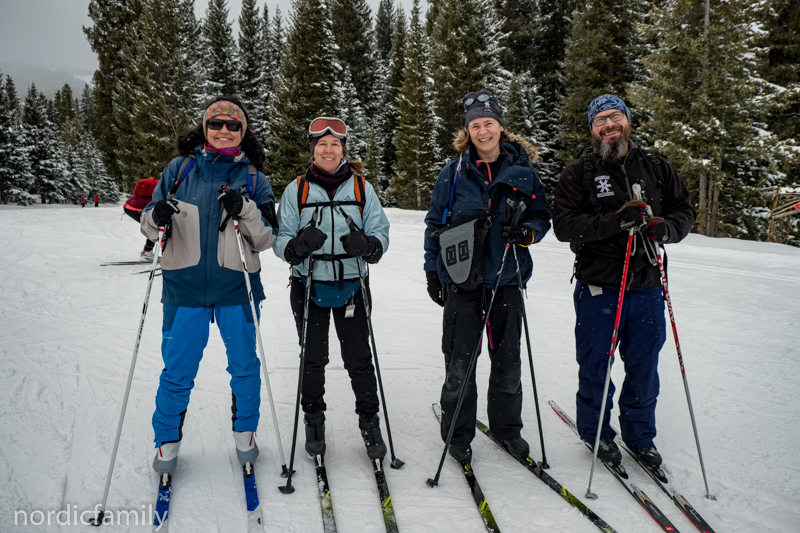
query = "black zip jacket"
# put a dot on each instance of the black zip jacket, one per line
(596, 236)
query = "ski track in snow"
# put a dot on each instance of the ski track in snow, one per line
(67, 329)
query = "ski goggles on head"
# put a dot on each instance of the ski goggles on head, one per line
(324, 125)
(481, 98)
(217, 123)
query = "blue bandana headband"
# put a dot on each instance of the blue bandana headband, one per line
(604, 103)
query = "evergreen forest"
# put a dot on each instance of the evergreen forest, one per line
(712, 85)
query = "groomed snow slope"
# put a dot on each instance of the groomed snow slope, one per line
(67, 330)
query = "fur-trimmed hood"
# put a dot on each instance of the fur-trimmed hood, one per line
(461, 141)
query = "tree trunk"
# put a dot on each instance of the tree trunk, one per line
(713, 208)
(702, 211)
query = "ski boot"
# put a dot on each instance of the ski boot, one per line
(371, 433)
(315, 433)
(649, 456)
(460, 452)
(518, 446)
(166, 459)
(246, 448)
(608, 451)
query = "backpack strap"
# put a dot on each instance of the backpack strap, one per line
(658, 167)
(183, 171)
(252, 179)
(359, 189)
(453, 184)
(302, 192)
(587, 161)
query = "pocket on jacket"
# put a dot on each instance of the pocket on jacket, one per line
(183, 247)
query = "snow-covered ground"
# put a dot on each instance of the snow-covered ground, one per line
(68, 326)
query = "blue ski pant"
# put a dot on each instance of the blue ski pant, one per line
(185, 335)
(642, 332)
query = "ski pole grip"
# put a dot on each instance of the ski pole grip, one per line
(637, 191)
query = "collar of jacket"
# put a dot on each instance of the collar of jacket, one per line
(201, 153)
(513, 169)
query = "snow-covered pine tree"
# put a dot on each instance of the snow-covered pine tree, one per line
(389, 102)
(44, 151)
(252, 51)
(385, 21)
(305, 89)
(597, 60)
(87, 113)
(76, 182)
(782, 68)
(96, 174)
(351, 26)
(465, 56)
(16, 178)
(220, 54)
(418, 162)
(519, 42)
(708, 105)
(111, 37)
(350, 109)
(161, 87)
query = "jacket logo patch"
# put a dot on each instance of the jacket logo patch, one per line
(347, 198)
(603, 186)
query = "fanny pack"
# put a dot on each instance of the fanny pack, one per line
(333, 293)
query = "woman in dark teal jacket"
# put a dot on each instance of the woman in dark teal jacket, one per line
(493, 165)
(218, 176)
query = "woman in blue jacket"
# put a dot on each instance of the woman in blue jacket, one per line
(218, 175)
(493, 165)
(330, 185)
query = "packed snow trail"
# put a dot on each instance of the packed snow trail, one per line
(67, 328)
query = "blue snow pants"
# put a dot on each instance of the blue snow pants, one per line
(642, 332)
(185, 335)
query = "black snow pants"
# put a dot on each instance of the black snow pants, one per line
(463, 315)
(353, 336)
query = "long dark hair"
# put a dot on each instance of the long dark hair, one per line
(251, 146)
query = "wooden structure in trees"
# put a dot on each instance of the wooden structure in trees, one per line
(785, 204)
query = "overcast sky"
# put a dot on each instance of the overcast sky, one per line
(48, 33)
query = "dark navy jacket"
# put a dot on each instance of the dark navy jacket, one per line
(472, 195)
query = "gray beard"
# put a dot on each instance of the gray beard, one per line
(613, 153)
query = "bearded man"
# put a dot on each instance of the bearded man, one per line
(594, 210)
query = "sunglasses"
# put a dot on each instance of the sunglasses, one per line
(324, 125)
(481, 98)
(216, 124)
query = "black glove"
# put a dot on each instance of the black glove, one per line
(435, 287)
(163, 211)
(308, 240)
(355, 243)
(521, 234)
(632, 214)
(232, 201)
(657, 230)
(268, 212)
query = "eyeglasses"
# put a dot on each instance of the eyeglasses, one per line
(325, 125)
(601, 121)
(216, 124)
(481, 98)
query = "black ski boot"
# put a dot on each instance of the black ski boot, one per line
(518, 446)
(371, 433)
(460, 452)
(649, 456)
(315, 433)
(608, 452)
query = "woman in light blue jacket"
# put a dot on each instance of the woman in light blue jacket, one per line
(313, 227)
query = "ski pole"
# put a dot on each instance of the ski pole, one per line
(259, 342)
(396, 463)
(530, 360)
(637, 192)
(665, 286)
(433, 482)
(98, 520)
(288, 489)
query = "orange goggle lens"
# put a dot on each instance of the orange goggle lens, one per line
(323, 125)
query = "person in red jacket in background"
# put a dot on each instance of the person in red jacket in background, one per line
(96, 200)
(141, 196)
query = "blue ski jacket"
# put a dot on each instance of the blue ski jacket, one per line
(201, 266)
(516, 179)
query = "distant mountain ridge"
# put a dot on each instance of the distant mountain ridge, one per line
(47, 81)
